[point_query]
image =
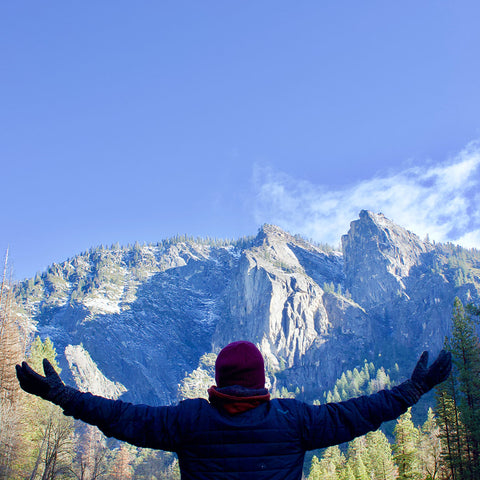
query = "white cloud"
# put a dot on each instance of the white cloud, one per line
(439, 200)
(470, 239)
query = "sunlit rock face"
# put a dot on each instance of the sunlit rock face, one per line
(406, 285)
(132, 322)
(378, 256)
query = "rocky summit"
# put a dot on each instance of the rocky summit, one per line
(136, 322)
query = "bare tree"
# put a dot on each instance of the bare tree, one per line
(12, 351)
(91, 459)
(122, 468)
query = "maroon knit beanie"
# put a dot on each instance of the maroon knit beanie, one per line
(240, 363)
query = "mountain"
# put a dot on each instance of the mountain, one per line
(134, 321)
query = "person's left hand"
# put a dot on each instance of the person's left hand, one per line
(425, 378)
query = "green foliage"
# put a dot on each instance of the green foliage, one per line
(465, 347)
(40, 350)
(473, 310)
(367, 458)
(405, 448)
(284, 267)
(285, 393)
(459, 265)
(458, 399)
(379, 461)
(356, 455)
(154, 465)
(52, 450)
(49, 435)
(330, 287)
(324, 247)
(329, 467)
(415, 454)
(354, 383)
(370, 457)
(241, 243)
(451, 429)
(196, 383)
(109, 272)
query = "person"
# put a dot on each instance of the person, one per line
(239, 432)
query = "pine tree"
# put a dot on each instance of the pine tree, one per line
(405, 448)
(380, 465)
(465, 347)
(347, 473)
(359, 470)
(458, 399)
(451, 430)
(330, 466)
(357, 382)
(357, 456)
(314, 469)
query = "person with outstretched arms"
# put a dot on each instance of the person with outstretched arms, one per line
(239, 432)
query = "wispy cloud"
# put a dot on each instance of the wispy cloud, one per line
(440, 200)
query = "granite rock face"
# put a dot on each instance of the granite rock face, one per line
(133, 322)
(378, 256)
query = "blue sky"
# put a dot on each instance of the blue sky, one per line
(125, 121)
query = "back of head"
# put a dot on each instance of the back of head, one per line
(240, 363)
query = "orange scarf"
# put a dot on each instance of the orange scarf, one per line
(237, 399)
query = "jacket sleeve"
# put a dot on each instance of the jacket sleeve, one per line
(335, 423)
(140, 425)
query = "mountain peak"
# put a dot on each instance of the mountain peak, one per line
(386, 233)
(272, 233)
(379, 252)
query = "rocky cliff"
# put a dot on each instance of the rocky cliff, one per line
(134, 321)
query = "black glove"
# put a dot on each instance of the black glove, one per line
(50, 387)
(425, 378)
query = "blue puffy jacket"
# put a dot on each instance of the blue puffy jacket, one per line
(267, 442)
